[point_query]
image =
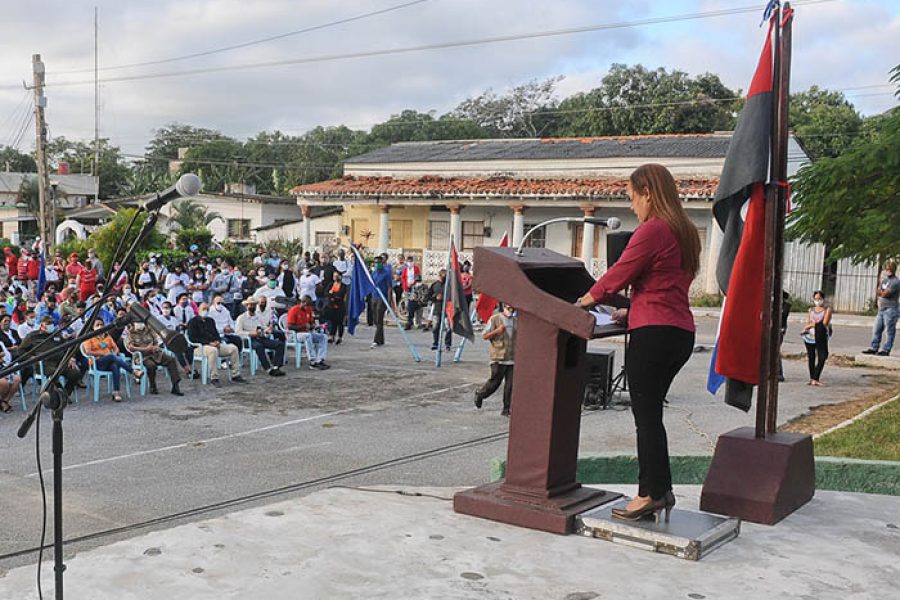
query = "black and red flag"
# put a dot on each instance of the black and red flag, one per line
(457, 310)
(485, 305)
(739, 210)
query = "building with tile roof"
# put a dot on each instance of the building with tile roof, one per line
(417, 195)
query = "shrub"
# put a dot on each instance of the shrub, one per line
(200, 236)
(706, 300)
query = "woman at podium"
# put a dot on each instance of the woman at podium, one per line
(659, 263)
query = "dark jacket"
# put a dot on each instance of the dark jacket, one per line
(202, 330)
(34, 339)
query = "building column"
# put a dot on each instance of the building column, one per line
(455, 225)
(587, 239)
(712, 255)
(384, 231)
(307, 229)
(518, 224)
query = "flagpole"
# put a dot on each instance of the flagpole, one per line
(457, 356)
(412, 348)
(440, 344)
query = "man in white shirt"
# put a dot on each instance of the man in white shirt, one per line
(308, 282)
(342, 266)
(28, 325)
(158, 269)
(272, 292)
(254, 325)
(183, 311)
(220, 313)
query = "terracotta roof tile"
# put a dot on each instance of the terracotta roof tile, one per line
(431, 185)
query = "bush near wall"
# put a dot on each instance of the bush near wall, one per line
(169, 257)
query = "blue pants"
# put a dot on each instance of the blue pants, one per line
(112, 363)
(885, 319)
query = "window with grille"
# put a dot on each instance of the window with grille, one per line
(239, 229)
(472, 234)
(438, 235)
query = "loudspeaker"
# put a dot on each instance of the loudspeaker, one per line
(598, 385)
(615, 245)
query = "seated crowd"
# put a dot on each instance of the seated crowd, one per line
(225, 311)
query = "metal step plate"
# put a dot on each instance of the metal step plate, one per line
(688, 534)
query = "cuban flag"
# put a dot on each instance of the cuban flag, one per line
(739, 210)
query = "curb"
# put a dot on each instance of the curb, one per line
(838, 320)
(832, 473)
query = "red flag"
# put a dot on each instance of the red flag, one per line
(740, 268)
(456, 307)
(485, 305)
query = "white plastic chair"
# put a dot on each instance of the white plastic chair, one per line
(296, 340)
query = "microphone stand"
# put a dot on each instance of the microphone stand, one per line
(53, 396)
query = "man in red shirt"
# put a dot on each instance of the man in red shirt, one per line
(12, 262)
(302, 320)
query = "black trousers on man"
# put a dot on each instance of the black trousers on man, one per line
(655, 355)
(380, 309)
(500, 373)
(261, 344)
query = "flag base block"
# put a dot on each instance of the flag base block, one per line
(761, 480)
(554, 514)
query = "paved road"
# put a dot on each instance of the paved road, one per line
(157, 456)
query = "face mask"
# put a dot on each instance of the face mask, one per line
(167, 311)
(127, 290)
(818, 302)
(30, 321)
(203, 313)
(5, 326)
(251, 310)
(237, 273)
(272, 284)
(146, 267)
(51, 328)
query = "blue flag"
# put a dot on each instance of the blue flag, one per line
(42, 277)
(360, 287)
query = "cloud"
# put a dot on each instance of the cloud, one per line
(363, 91)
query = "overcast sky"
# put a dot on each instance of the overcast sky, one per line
(838, 44)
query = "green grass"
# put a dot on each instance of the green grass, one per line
(874, 437)
(706, 300)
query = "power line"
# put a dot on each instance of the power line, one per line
(264, 40)
(440, 46)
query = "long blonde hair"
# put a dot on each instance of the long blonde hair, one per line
(657, 181)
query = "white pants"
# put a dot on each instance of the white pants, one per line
(229, 352)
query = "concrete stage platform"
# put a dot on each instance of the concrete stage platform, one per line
(347, 543)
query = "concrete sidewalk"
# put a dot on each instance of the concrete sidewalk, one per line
(838, 319)
(350, 543)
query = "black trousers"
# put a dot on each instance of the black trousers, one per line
(261, 344)
(655, 355)
(380, 309)
(499, 374)
(819, 351)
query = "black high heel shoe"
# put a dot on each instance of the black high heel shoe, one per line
(654, 508)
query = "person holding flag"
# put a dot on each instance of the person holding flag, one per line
(659, 263)
(455, 308)
(383, 280)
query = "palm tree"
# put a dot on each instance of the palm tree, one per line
(188, 214)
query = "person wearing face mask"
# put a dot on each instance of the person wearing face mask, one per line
(286, 280)
(308, 283)
(9, 385)
(172, 321)
(158, 269)
(127, 296)
(224, 285)
(198, 286)
(144, 279)
(335, 308)
(183, 312)
(659, 263)
(176, 283)
(98, 264)
(47, 329)
(105, 354)
(815, 337)
(381, 275)
(271, 291)
(28, 325)
(202, 330)
(501, 333)
(225, 325)
(253, 325)
(142, 339)
(108, 311)
(86, 281)
(888, 294)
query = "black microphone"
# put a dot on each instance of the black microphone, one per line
(187, 185)
(609, 223)
(174, 340)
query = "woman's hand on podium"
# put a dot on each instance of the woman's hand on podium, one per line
(620, 316)
(586, 301)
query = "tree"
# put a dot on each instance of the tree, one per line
(13, 161)
(214, 162)
(115, 174)
(849, 203)
(512, 114)
(106, 239)
(636, 100)
(824, 122)
(188, 214)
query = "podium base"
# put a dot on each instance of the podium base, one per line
(555, 514)
(761, 480)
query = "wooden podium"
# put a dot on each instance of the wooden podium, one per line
(540, 490)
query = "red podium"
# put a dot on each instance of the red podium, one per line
(540, 490)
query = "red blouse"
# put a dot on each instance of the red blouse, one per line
(651, 264)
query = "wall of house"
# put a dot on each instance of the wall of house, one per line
(329, 226)
(361, 218)
(258, 213)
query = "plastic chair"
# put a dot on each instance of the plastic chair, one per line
(201, 358)
(96, 375)
(137, 362)
(37, 382)
(296, 340)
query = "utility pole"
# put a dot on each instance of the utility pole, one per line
(40, 102)
(96, 169)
